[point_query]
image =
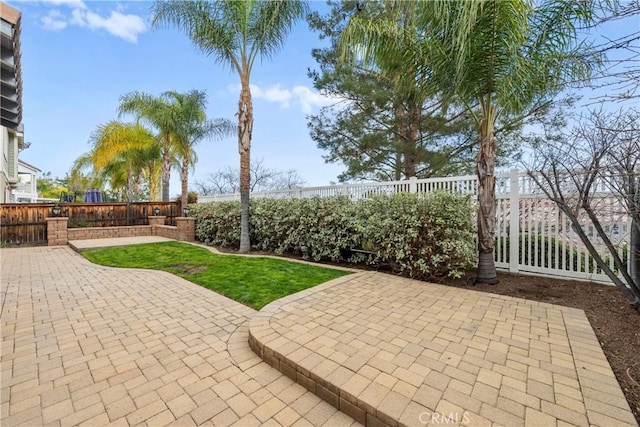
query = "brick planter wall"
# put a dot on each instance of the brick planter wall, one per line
(166, 231)
(108, 232)
(156, 220)
(59, 234)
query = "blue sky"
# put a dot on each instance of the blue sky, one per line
(79, 57)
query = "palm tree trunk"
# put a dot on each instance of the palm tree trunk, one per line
(166, 168)
(402, 122)
(245, 129)
(129, 189)
(184, 180)
(154, 188)
(136, 188)
(486, 204)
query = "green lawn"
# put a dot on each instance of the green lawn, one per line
(252, 281)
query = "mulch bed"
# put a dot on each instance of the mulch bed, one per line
(615, 323)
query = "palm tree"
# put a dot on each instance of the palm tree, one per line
(192, 127)
(159, 113)
(125, 154)
(498, 57)
(235, 33)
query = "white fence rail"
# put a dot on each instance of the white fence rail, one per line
(532, 234)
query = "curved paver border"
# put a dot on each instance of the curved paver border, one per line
(508, 360)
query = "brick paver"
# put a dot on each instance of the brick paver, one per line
(395, 351)
(88, 345)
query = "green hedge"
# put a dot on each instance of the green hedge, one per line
(423, 237)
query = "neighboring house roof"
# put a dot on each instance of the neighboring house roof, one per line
(9, 14)
(27, 166)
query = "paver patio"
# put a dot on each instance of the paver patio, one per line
(89, 345)
(391, 350)
(92, 345)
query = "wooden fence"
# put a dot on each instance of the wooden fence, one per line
(25, 224)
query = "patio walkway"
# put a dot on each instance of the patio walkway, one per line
(86, 344)
(89, 345)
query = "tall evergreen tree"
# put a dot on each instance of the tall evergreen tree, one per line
(384, 125)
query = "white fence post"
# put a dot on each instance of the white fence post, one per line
(514, 221)
(413, 184)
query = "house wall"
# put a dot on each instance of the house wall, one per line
(9, 164)
(5, 190)
(12, 138)
(26, 191)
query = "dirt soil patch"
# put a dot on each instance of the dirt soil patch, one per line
(615, 323)
(188, 269)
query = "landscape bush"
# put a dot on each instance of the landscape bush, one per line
(218, 221)
(325, 226)
(424, 237)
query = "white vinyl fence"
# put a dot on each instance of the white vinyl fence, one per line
(532, 234)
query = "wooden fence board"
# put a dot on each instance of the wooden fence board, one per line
(25, 223)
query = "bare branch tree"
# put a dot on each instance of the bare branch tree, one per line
(621, 72)
(286, 180)
(593, 176)
(227, 180)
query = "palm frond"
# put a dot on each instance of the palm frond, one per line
(269, 24)
(207, 24)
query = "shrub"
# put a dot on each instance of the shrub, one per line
(423, 237)
(218, 221)
(78, 223)
(323, 225)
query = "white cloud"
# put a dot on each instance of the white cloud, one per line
(272, 94)
(307, 99)
(75, 4)
(77, 17)
(54, 21)
(125, 26)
